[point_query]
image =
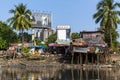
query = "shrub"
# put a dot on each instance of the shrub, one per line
(25, 51)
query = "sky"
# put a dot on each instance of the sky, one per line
(76, 13)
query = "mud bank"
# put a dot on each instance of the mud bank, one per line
(23, 63)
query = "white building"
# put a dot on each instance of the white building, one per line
(63, 34)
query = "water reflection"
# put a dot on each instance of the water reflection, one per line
(59, 74)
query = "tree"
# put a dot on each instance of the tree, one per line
(7, 34)
(2, 43)
(114, 37)
(52, 38)
(108, 16)
(75, 35)
(21, 19)
(27, 37)
(38, 42)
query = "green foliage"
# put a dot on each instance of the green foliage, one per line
(108, 16)
(7, 34)
(75, 35)
(115, 35)
(52, 38)
(2, 43)
(38, 42)
(27, 37)
(21, 19)
(25, 51)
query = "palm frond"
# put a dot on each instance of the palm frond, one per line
(116, 5)
(21, 18)
(12, 11)
(98, 13)
(100, 5)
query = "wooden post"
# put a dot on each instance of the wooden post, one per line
(105, 59)
(72, 74)
(86, 74)
(80, 58)
(86, 61)
(98, 74)
(98, 58)
(92, 73)
(72, 57)
(81, 75)
(92, 58)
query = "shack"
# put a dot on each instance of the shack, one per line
(59, 48)
(62, 43)
(88, 47)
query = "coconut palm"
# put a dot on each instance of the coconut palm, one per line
(108, 16)
(21, 19)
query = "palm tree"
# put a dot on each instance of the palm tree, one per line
(21, 19)
(108, 16)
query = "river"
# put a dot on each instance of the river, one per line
(46, 73)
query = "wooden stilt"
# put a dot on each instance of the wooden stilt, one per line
(92, 58)
(72, 57)
(98, 74)
(105, 59)
(86, 74)
(86, 61)
(98, 58)
(72, 74)
(81, 75)
(80, 58)
(92, 73)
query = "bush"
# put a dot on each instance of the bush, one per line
(2, 43)
(25, 51)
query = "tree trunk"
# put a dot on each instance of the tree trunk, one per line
(110, 39)
(22, 37)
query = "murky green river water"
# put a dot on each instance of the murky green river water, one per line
(59, 74)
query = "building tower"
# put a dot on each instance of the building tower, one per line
(42, 22)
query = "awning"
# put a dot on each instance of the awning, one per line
(51, 44)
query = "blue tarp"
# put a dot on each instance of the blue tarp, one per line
(38, 47)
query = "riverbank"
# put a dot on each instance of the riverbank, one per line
(48, 61)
